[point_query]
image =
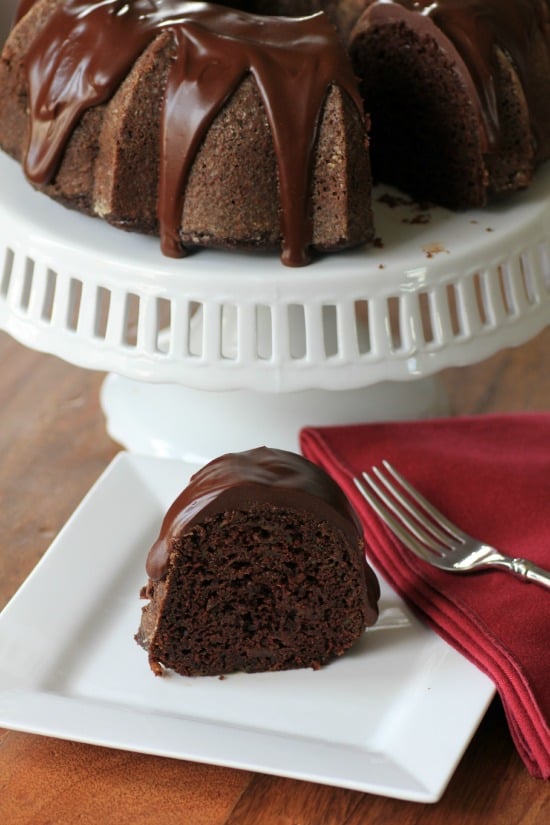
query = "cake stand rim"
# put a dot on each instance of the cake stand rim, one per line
(211, 278)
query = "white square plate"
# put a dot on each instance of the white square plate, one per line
(391, 717)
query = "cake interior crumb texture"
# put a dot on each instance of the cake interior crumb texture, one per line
(265, 589)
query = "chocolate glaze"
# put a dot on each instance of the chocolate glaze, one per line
(86, 49)
(22, 8)
(475, 28)
(268, 476)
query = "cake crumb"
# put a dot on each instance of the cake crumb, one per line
(422, 217)
(394, 200)
(431, 249)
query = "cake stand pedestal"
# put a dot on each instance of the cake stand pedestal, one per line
(225, 351)
(196, 425)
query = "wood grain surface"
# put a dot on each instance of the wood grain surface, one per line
(53, 446)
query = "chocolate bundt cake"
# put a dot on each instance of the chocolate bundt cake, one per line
(207, 125)
(259, 566)
(458, 93)
(219, 127)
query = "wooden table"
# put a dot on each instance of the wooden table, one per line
(53, 446)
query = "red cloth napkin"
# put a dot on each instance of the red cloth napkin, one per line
(491, 475)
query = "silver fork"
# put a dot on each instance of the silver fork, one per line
(429, 534)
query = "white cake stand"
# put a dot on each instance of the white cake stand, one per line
(225, 351)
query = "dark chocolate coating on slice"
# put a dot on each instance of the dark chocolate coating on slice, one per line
(235, 481)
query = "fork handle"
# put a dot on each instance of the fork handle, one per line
(527, 570)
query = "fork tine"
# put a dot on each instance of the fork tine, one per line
(438, 516)
(412, 525)
(420, 517)
(404, 535)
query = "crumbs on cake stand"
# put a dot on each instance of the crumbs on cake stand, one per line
(431, 249)
(421, 209)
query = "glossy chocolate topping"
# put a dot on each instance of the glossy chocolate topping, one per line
(236, 480)
(476, 28)
(85, 50)
(22, 8)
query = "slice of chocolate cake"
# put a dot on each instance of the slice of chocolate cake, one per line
(259, 566)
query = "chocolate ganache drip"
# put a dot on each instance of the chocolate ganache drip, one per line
(85, 50)
(236, 480)
(476, 28)
(22, 8)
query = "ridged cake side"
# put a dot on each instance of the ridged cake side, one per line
(221, 131)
